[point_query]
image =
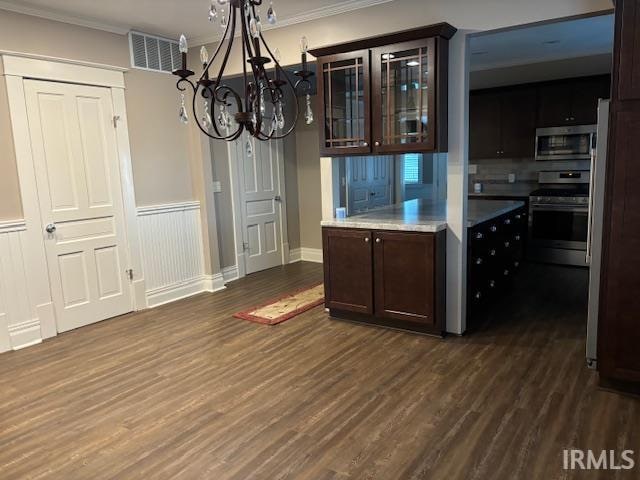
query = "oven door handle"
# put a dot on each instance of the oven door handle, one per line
(559, 208)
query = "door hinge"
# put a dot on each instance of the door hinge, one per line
(116, 119)
(245, 246)
(129, 273)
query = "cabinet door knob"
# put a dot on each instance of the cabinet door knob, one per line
(378, 240)
(366, 144)
(377, 144)
(366, 239)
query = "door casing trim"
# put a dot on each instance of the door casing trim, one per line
(18, 67)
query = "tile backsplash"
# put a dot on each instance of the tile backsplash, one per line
(493, 174)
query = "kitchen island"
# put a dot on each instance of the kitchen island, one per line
(388, 266)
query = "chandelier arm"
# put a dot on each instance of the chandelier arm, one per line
(196, 87)
(218, 49)
(227, 53)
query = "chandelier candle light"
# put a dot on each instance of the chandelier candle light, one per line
(259, 109)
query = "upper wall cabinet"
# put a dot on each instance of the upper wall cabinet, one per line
(344, 83)
(385, 94)
(571, 102)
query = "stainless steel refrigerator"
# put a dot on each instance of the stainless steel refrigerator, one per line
(594, 238)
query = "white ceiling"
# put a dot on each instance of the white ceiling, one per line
(569, 39)
(170, 18)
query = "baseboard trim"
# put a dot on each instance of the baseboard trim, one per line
(173, 293)
(305, 255)
(229, 274)
(213, 283)
(25, 334)
(295, 255)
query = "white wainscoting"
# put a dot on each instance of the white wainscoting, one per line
(172, 253)
(19, 321)
(305, 255)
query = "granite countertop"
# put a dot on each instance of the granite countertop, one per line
(422, 216)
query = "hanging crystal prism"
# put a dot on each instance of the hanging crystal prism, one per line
(182, 113)
(222, 2)
(213, 12)
(263, 106)
(206, 117)
(223, 19)
(279, 115)
(308, 116)
(249, 148)
(271, 15)
(223, 117)
(254, 27)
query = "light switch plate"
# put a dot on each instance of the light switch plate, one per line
(217, 187)
(512, 178)
(473, 169)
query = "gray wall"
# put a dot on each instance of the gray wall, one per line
(309, 186)
(302, 186)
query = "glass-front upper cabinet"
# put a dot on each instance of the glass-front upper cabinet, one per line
(385, 94)
(404, 97)
(343, 85)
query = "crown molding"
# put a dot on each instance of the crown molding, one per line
(315, 14)
(62, 17)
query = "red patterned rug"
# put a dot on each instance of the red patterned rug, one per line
(285, 307)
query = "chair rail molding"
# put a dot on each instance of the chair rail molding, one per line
(172, 253)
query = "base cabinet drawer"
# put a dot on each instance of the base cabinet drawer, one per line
(396, 279)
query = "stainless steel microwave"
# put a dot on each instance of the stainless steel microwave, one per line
(565, 143)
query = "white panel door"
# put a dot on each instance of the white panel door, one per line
(358, 182)
(78, 177)
(261, 221)
(369, 183)
(380, 170)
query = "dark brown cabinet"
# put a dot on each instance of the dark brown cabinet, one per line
(404, 276)
(385, 94)
(619, 310)
(571, 102)
(343, 82)
(393, 278)
(495, 252)
(348, 270)
(502, 123)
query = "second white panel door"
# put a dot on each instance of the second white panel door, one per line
(78, 178)
(261, 201)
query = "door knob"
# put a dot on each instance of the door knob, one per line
(50, 228)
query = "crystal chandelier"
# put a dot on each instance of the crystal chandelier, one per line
(259, 108)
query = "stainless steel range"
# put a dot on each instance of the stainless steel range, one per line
(559, 218)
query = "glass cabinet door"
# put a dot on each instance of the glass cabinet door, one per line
(344, 85)
(404, 97)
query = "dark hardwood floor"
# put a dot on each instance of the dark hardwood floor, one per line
(186, 391)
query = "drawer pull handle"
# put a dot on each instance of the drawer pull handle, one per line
(479, 236)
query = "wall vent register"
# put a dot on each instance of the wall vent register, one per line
(149, 52)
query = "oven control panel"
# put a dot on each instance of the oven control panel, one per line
(581, 200)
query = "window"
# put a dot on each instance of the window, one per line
(412, 171)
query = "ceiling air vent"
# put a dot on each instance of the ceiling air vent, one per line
(149, 52)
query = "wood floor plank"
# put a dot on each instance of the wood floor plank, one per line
(186, 391)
